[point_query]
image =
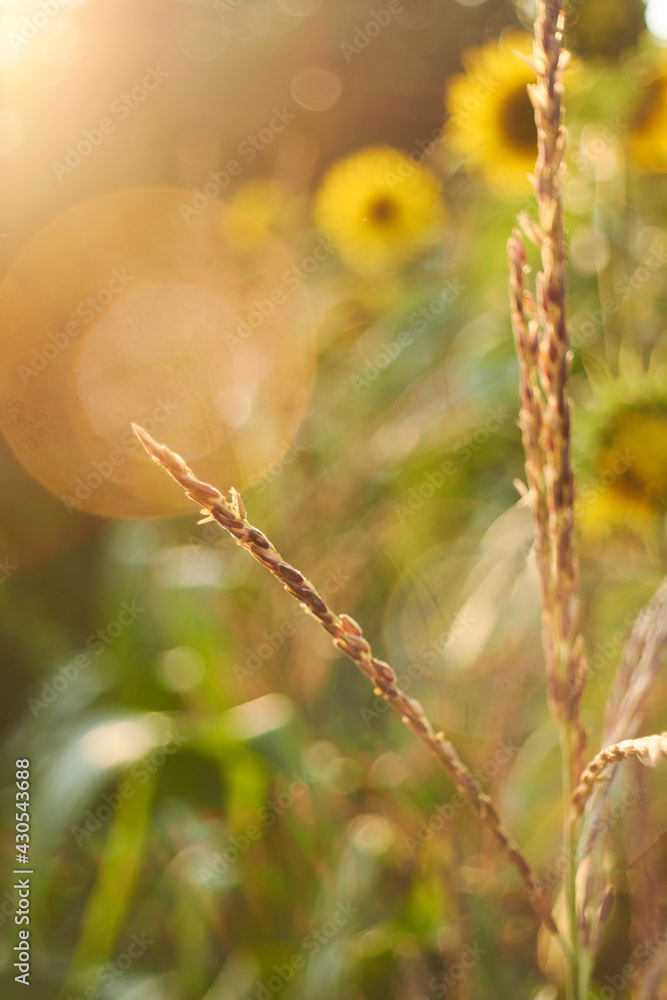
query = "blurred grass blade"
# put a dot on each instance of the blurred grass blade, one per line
(110, 897)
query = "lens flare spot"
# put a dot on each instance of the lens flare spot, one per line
(133, 307)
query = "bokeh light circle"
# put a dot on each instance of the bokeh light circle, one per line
(656, 19)
(132, 307)
(419, 15)
(316, 88)
(450, 601)
(242, 23)
(204, 39)
(300, 8)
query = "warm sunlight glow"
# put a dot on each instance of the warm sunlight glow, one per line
(656, 18)
(132, 307)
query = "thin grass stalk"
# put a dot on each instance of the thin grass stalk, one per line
(565, 646)
(348, 637)
(541, 339)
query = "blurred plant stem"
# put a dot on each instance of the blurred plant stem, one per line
(573, 966)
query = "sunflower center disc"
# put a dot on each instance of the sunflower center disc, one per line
(383, 211)
(518, 121)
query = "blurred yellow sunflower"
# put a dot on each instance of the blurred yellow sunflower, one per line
(491, 122)
(257, 208)
(647, 133)
(626, 485)
(380, 208)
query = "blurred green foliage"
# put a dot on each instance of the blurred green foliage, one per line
(216, 786)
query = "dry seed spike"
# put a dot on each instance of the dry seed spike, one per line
(238, 503)
(358, 650)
